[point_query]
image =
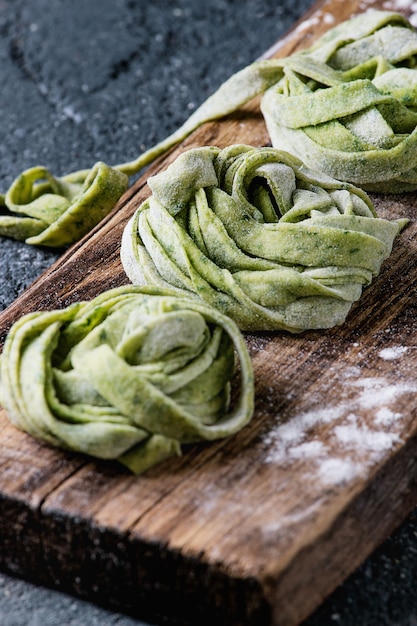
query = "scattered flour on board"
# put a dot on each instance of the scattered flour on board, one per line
(307, 24)
(359, 430)
(328, 18)
(336, 471)
(390, 354)
(325, 17)
(386, 416)
(377, 392)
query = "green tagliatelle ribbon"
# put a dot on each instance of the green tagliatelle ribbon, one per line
(42, 209)
(258, 235)
(347, 106)
(130, 375)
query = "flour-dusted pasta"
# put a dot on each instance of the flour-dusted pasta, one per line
(131, 375)
(42, 209)
(258, 235)
(348, 105)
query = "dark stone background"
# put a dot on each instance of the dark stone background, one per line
(83, 80)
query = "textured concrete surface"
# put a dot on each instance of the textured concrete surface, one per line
(83, 80)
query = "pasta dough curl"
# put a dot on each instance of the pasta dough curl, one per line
(42, 209)
(348, 105)
(130, 375)
(258, 235)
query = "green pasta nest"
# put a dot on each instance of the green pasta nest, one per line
(130, 375)
(259, 236)
(348, 105)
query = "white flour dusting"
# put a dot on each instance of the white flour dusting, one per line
(386, 417)
(308, 449)
(363, 438)
(308, 24)
(328, 18)
(287, 438)
(339, 441)
(390, 354)
(337, 471)
(377, 392)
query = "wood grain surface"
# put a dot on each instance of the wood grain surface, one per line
(259, 528)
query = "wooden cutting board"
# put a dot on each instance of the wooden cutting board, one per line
(259, 528)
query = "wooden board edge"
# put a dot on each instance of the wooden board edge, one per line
(358, 531)
(153, 581)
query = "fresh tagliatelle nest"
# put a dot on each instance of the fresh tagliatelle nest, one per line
(348, 105)
(131, 375)
(259, 236)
